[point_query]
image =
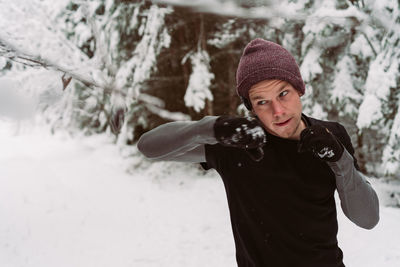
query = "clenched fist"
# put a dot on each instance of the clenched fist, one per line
(241, 132)
(321, 143)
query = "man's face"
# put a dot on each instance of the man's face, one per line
(278, 106)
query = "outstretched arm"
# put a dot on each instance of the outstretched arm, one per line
(184, 141)
(179, 141)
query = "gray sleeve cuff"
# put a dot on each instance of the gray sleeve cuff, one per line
(358, 199)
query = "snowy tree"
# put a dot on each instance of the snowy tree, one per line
(137, 64)
(32, 42)
(379, 109)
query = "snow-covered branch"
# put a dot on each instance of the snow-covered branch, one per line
(16, 54)
(101, 53)
(270, 10)
(168, 115)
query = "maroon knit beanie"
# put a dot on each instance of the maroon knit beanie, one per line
(264, 60)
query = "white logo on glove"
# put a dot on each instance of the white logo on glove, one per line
(326, 153)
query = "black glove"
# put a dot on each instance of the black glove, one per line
(321, 142)
(245, 133)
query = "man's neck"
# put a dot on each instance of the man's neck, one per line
(302, 125)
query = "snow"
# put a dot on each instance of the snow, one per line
(310, 107)
(370, 111)
(78, 202)
(381, 78)
(371, 248)
(66, 202)
(361, 48)
(13, 102)
(310, 67)
(3, 62)
(83, 202)
(43, 39)
(198, 90)
(391, 155)
(343, 92)
(155, 38)
(226, 35)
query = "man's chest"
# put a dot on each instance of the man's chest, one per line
(283, 175)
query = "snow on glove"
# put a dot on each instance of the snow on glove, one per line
(239, 132)
(321, 143)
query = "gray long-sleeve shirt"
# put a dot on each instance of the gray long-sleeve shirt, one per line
(185, 141)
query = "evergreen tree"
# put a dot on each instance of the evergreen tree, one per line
(137, 64)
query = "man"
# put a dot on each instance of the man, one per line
(280, 170)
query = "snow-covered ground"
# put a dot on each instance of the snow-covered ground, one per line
(81, 202)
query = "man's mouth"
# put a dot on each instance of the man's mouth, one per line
(283, 123)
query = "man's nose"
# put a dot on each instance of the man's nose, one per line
(277, 108)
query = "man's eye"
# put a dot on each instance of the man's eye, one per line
(262, 102)
(283, 93)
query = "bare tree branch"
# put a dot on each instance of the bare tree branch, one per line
(370, 44)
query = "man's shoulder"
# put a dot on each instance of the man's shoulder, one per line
(333, 126)
(336, 128)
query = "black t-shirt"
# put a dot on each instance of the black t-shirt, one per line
(282, 208)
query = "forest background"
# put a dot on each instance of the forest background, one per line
(125, 67)
(81, 80)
